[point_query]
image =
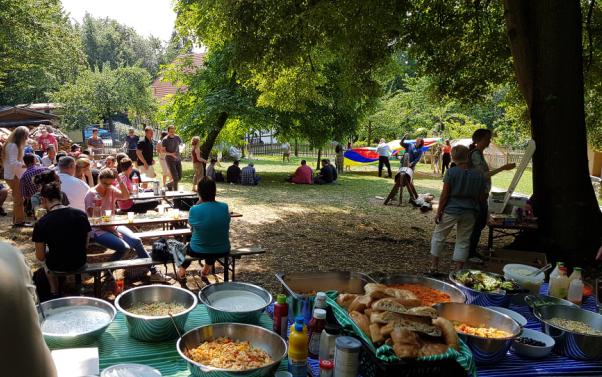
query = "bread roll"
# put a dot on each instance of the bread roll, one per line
(345, 299)
(389, 304)
(360, 304)
(450, 336)
(371, 287)
(361, 321)
(375, 335)
(423, 311)
(404, 336)
(430, 349)
(405, 350)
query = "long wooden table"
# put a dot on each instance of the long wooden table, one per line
(505, 230)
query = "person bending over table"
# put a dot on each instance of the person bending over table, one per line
(210, 223)
(64, 253)
(22, 347)
(139, 206)
(119, 238)
(403, 178)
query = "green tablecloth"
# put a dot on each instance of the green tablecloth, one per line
(115, 346)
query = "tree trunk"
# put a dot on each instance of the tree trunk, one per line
(212, 135)
(296, 148)
(545, 40)
(319, 158)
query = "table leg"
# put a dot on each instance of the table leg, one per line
(226, 268)
(233, 269)
(490, 238)
(97, 282)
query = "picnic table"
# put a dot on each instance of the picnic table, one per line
(142, 219)
(505, 229)
(115, 346)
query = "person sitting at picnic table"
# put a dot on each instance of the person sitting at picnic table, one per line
(75, 151)
(75, 188)
(47, 139)
(458, 206)
(140, 205)
(248, 176)
(49, 176)
(135, 172)
(384, 152)
(49, 158)
(210, 223)
(233, 173)
(94, 143)
(304, 175)
(3, 196)
(53, 249)
(211, 169)
(120, 238)
(27, 184)
(414, 150)
(31, 150)
(403, 178)
(22, 348)
(328, 174)
(131, 144)
(83, 171)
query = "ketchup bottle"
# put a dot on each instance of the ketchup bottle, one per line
(280, 325)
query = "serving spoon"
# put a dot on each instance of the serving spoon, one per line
(543, 269)
(178, 331)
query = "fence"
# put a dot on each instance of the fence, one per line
(299, 150)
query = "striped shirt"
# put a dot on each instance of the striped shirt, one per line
(28, 188)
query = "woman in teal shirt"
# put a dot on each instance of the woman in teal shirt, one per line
(210, 222)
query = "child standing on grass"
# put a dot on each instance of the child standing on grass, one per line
(458, 206)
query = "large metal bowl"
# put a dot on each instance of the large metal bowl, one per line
(74, 340)
(258, 336)
(455, 294)
(574, 345)
(484, 350)
(482, 298)
(218, 315)
(155, 328)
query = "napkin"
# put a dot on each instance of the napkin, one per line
(76, 362)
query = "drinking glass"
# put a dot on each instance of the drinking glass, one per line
(131, 217)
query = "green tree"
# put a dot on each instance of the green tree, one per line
(39, 50)
(101, 94)
(105, 41)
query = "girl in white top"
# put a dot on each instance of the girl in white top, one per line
(12, 157)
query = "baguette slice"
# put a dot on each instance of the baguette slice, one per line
(360, 304)
(408, 298)
(345, 299)
(449, 332)
(361, 321)
(375, 335)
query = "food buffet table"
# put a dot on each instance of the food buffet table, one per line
(115, 346)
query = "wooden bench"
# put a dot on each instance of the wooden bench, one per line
(96, 269)
(164, 233)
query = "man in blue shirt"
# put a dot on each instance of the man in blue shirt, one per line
(131, 144)
(210, 222)
(414, 150)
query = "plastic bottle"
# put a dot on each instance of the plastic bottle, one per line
(96, 210)
(314, 331)
(556, 270)
(576, 275)
(559, 285)
(575, 294)
(297, 349)
(328, 341)
(320, 301)
(280, 325)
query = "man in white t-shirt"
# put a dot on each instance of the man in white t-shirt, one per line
(75, 189)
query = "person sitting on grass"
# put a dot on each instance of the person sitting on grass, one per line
(120, 238)
(403, 178)
(458, 206)
(210, 223)
(328, 174)
(233, 173)
(64, 254)
(211, 169)
(303, 175)
(248, 176)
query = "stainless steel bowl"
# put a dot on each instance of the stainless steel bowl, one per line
(218, 315)
(301, 288)
(75, 340)
(534, 301)
(482, 298)
(569, 343)
(258, 336)
(455, 294)
(484, 350)
(155, 328)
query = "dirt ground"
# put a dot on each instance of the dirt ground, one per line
(343, 227)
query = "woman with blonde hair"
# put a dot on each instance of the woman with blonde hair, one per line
(165, 173)
(83, 171)
(198, 162)
(12, 158)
